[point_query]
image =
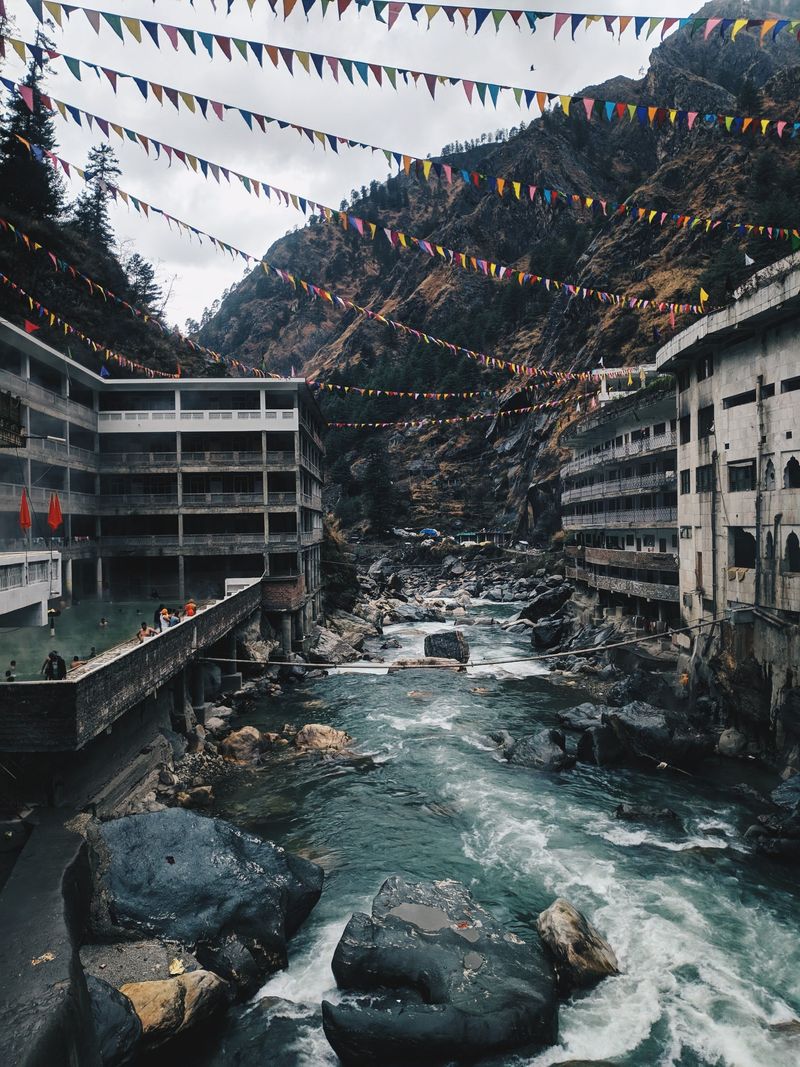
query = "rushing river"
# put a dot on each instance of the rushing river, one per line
(706, 935)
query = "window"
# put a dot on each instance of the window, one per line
(704, 479)
(742, 476)
(791, 474)
(659, 429)
(686, 486)
(705, 421)
(705, 368)
(683, 380)
(738, 399)
(767, 391)
(674, 540)
(769, 475)
(791, 556)
(686, 533)
(686, 429)
(629, 539)
(789, 385)
(742, 548)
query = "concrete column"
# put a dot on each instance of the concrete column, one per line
(197, 688)
(66, 588)
(99, 576)
(181, 581)
(286, 633)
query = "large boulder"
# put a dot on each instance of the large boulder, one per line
(599, 745)
(583, 716)
(658, 735)
(447, 644)
(330, 648)
(351, 628)
(581, 955)
(544, 750)
(317, 737)
(437, 978)
(116, 1024)
(243, 746)
(167, 1008)
(787, 794)
(231, 897)
(645, 814)
(548, 602)
(643, 685)
(546, 632)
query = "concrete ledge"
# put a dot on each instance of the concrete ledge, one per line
(45, 1016)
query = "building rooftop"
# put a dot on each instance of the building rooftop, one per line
(768, 298)
(651, 404)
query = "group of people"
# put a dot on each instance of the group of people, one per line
(163, 618)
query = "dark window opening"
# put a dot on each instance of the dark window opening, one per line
(704, 478)
(742, 476)
(767, 391)
(685, 482)
(705, 421)
(743, 548)
(791, 556)
(789, 385)
(686, 429)
(791, 474)
(769, 475)
(769, 546)
(683, 380)
(705, 368)
(738, 399)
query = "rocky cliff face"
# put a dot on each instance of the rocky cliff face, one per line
(482, 473)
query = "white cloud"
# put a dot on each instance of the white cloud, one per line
(406, 120)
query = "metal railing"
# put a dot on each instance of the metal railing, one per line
(278, 499)
(621, 487)
(139, 500)
(617, 557)
(128, 460)
(658, 517)
(193, 500)
(617, 452)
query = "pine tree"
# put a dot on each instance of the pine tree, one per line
(146, 291)
(90, 210)
(28, 183)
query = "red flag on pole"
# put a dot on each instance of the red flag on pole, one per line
(54, 517)
(24, 511)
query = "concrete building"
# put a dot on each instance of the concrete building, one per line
(738, 384)
(619, 505)
(28, 582)
(166, 485)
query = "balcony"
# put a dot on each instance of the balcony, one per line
(574, 551)
(277, 500)
(311, 500)
(310, 537)
(126, 461)
(221, 459)
(41, 399)
(223, 500)
(629, 517)
(217, 544)
(628, 586)
(72, 503)
(660, 561)
(160, 421)
(643, 446)
(621, 487)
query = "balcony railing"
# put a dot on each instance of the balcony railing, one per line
(279, 499)
(642, 517)
(621, 487)
(629, 586)
(194, 500)
(287, 538)
(139, 500)
(615, 557)
(574, 551)
(617, 452)
(216, 459)
(310, 537)
(137, 460)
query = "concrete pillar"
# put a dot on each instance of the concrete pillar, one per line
(99, 576)
(197, 687)
(181, 581)
(286, 633)
(66, 587)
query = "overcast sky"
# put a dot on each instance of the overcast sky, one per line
(407, 120)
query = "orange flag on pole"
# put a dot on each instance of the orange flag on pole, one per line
(24, 511)
(54, 516)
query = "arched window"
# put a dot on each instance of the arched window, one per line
(743, 548)
(791, 556)
(769, 546)
(791, 474)
(769, 475)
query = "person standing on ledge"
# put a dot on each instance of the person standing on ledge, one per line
(54, 668)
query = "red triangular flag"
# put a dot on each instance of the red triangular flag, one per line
(54, 517)
(31, 327)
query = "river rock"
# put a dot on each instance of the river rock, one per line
(263, 1033)
(447, 644)
(643, 813)
(437, 978)
(731, 743)
(116, 1024)
(330, 648)
(582, 716)
(316, 737)
(581, 955)
(658, 735)
(641, 685)
(787, 795)
(169, 1007)
(136, 961)
(600, 746)
(544, 750)
(546, 632)
(548, 602)
(243, 746)
(202, 882)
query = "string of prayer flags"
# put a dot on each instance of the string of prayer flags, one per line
(425, 169)
(51, 319)
(416, 424)
(406, 394)
(380, 75)
(473, 19)
(369, 230)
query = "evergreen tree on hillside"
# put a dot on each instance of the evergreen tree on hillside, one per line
(145, 289)
(29, 184)
(90, 211)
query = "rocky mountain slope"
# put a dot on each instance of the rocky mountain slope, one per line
(480, 474)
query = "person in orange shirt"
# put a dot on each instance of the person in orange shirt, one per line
(190, 609)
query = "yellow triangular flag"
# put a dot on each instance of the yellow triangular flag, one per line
(703, 295)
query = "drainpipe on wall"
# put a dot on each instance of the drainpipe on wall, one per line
(759, 481)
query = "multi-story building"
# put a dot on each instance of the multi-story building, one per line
(166, 485)
(619, 504)
(738, 386)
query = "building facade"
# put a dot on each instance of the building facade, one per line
(619, 505)
(168, 486)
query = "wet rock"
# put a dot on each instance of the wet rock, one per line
(116, 1024)
(657, 735)
(199, 796)
(731, 743)
(439, 979)
(319, 738)
(582, 716)
(645, 814)
(544, 750)
(787, 795)
(135, 961)
(546, 632)
(642, 685)
(264, 1033)
(200, 881)
(167, 1008)
(381, 567)
(600, 746)
(243, 746)
(352, 629)
(447, 644)
(331, 648)
(581, 955)
(548, 602)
